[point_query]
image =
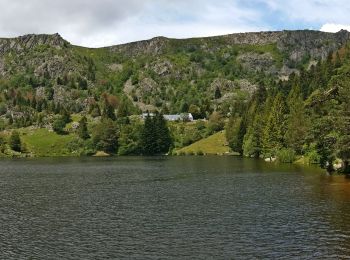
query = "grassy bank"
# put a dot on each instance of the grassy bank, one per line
(41, 142)
(215, 144)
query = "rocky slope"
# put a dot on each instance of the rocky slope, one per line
(162, 73)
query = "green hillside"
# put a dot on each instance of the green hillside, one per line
(43, 143)
(278, 95)
(214, 144)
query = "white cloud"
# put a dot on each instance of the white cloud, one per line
(331, 27)
(106, 22)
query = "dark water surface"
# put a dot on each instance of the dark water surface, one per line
(171, 208)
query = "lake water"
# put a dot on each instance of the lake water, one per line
(171, 208)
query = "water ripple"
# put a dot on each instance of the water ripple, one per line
(176, 208)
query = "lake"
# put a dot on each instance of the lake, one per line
(171, 208)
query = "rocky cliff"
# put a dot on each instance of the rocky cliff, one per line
(30, 41)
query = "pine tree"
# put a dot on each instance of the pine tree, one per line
(162, 134)
(82, 83)
(217, 93)
(58, 125)
(148, 136)
(108, 112)
(123, 109)
(82, 130)
(342, 118)
(252, 146)
(235, 131)
(66, 116)
(15, 142)
(297, 123)
(273, 134)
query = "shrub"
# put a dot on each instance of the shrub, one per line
(59, 125)
(286, 155)
(2, 144)
(313, 157)
(200, 153)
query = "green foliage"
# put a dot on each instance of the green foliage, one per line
(273, 133)
(286, 155)
(148, 136)
(217, 94)
(78, 146)
(235, 131)
(2, 144)
(2, 124)
(313, 157)
(130, 138)
(308, 114)
(213, 144)
(155, 135)
(15, 142)
(108, 111)
(82, 129)
(297, 123)
(41, 142)
(105, 136)
(58, 125)
(186, 133)
(216, 122)
(252, 145)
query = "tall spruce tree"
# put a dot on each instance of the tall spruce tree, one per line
(235, 131)
(148, 136)
(162, 134)
(297, 123)
(252, 140)
(155, 136)
(273, 134)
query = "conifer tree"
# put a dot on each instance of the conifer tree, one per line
(252, 146)
(162, 134)
(148, 136)
(235, 131)
(273, 134)
(297, 124)
(155, 135)
(123, 109)
(82, 130)
(217, 93)
(15, 142)
(108, 112)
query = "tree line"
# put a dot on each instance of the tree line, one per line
(308, 116)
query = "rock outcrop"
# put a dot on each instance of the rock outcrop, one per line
(30, 41)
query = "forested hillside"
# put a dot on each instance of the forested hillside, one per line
(307, 115)
(280, 95)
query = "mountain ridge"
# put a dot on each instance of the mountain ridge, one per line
(152, 73)
(241, 35)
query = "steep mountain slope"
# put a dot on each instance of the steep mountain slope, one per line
(196, 75)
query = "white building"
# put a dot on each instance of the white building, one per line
(177, 117)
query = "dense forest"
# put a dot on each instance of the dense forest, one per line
(308, 115)
(273, 100)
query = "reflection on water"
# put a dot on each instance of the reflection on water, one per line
(165, 208)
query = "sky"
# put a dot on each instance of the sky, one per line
(96, 23)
